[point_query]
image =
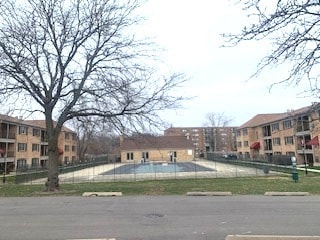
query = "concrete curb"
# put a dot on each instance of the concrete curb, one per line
(209, 194)
(92, 239)
(102, 194)
(287, 194)
(270, 237)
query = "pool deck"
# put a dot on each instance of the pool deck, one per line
(97, 173)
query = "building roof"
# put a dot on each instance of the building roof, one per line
(261, 119)
(10, 119)
(42, 124)
(159, 142)
(33, 123)
(199, 128)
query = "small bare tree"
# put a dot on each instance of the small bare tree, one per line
(293, 28)
(214, 122)
(85, 127)
(79, 58)
(95, 137)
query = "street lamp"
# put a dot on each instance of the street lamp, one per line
(5, 168)
(304, 155)
(5, 163)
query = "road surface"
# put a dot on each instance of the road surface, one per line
(157, 217)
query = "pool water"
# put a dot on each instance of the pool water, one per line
(163, 168)
(157, 168)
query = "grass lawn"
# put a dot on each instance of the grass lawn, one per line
(238, 186)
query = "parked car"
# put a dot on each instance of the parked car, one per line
(230, 156)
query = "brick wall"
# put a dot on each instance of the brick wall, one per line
(162, 155)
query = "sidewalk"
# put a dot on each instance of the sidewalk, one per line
(301, 167)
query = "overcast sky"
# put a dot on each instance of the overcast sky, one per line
(190, 31)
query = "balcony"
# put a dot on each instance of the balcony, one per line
(267, 146)
(266, 131)
(303, 125)
(7, 132)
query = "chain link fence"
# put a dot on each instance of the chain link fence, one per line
(34, 175)
(108, 169)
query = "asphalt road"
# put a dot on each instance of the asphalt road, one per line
(157, 217)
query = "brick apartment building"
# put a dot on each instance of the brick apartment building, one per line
(207, 139)
(23, 144)
(294, 133)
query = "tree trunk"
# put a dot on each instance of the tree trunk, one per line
(52, 183)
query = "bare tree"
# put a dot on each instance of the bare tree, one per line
(85, 127)
(104, 143)
(79, 58)
(217, 120)
(293, 27)
(95, 137)
(214, 121)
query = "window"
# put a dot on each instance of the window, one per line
(238, 133)
(43, 163)
(66, 136)
(246, 144)
(287, 124)
(239, 144)
(73, 148)
(173, 156)
(35, 162)
(35, 147)
(303, 124)
(130, 156)
(245, 132)
(21, 163)
(23, 130)
(290, 153)
(44, 136)
(66, 160)
(67, 148)
(288, 140)
(74, 136)
(275, 127)
(36, 132)
(276, 141)
(22, 147)
(145, 155)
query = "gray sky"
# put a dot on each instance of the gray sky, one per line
(190, 31)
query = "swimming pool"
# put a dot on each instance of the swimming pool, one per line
(157, 168)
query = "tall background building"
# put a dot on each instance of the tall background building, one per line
(207, 139)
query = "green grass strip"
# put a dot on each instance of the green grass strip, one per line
(237, 186)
